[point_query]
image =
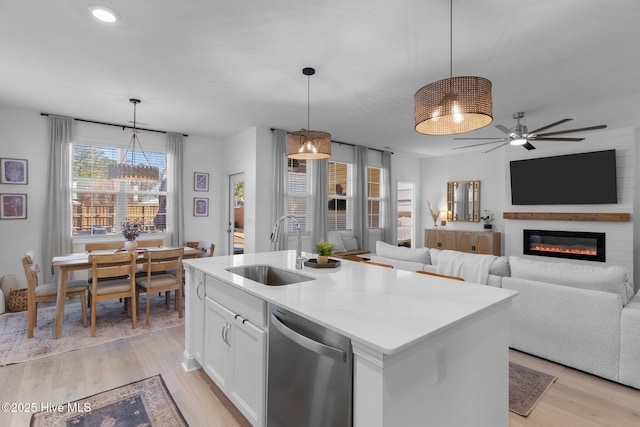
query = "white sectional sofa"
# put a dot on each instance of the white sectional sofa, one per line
(583, 316)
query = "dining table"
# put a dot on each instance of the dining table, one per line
(80, 261)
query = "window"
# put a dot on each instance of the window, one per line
(340, 196)
(99, 205)
(299, 199)
(374, 197)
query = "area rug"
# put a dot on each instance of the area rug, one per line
(526, 387)
(113, 323)
(142, 403)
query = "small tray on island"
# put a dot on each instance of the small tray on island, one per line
(313, 263)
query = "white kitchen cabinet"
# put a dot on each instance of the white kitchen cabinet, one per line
(235, 349)
(194, 313)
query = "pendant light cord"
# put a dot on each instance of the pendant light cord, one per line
(308, 102)
(451, 39)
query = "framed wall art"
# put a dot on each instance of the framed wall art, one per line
(13, 171)
(13, 206)
(200, 206)
(200, 181)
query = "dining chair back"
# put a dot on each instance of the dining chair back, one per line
(162, 272)
(47, 292)
(150, 243)
(103, 246)
(428, 273)
(113, 276)
(207, 248)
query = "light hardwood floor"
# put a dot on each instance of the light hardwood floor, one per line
(576, 398)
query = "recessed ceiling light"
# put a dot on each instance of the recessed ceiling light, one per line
(104, 14)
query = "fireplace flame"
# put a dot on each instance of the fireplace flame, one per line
(564, 250)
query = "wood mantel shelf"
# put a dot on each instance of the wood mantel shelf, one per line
(569, 216)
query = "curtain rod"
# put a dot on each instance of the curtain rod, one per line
(115, 125)
(348, 143)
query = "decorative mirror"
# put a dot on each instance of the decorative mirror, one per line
(463, 201)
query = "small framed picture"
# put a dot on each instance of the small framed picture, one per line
(200, 181)
(13, 206)
(14, 171)
(200, 206)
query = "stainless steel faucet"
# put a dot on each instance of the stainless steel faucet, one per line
(274, 238)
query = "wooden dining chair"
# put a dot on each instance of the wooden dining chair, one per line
(440, 275)
(103, 246)
(121, 268)
(150, 243)
(206, 247)
(48, 292)
(379, 264)
(163, 273)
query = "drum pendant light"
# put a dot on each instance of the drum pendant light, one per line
(453, 105)
(308, 144)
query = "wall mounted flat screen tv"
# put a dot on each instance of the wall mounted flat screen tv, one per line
(574, 179)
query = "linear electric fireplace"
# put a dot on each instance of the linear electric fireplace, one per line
(565, 244)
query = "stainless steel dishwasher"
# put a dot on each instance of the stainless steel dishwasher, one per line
(310, 374)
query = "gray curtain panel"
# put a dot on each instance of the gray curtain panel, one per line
(320, 201)
(56, 238)
(279, 185)
(175, 189)
(360, 211)
(389, 229)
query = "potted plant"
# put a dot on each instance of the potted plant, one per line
(323, 249)
(488, 219)
(131, 230)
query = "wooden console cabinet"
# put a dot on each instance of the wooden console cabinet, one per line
(476, 242)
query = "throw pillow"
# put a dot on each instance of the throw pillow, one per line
(350, 242)
(335, 238)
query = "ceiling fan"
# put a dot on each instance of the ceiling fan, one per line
(519, 135)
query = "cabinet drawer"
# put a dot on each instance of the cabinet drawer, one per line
(246, 305)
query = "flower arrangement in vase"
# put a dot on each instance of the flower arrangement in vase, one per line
(435, 215)
(487, 218)
(323, 249)
(131, 230)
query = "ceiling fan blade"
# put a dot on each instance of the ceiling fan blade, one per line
(475, 139)
(476, 145)
(528, 146)
(571, 130)
(495, 148)
(559, 139)
(551, 125)
(503, 129)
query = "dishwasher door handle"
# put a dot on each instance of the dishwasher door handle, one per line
(308, 343)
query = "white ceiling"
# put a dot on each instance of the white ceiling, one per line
(215, 68)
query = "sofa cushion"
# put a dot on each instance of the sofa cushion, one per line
(434, 254)
(335, 238)
(420, 255)
(500, 267)
(398, 263)
(350, 242)
(607, 279)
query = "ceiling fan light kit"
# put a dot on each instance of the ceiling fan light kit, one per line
(308, 144)
(519, 134)
(453, 105)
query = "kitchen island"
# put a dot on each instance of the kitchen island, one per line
(426, 350)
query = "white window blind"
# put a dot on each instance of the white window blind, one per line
(374, 197)
(299, 198)
(340, 196)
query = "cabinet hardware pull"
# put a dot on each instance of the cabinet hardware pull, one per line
(222, 332)
(226, 333)
(198, 289)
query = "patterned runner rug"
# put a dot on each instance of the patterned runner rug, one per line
(112, 323)
(526, 387)
(142, 403)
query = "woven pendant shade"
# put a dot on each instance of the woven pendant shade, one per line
(308, 144)
(125, 171)
(453, 105)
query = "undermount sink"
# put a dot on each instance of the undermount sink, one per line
(268, 275)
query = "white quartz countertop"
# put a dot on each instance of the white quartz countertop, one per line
(388, 310)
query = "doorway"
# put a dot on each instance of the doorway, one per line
(405, 215)
(236, 213)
